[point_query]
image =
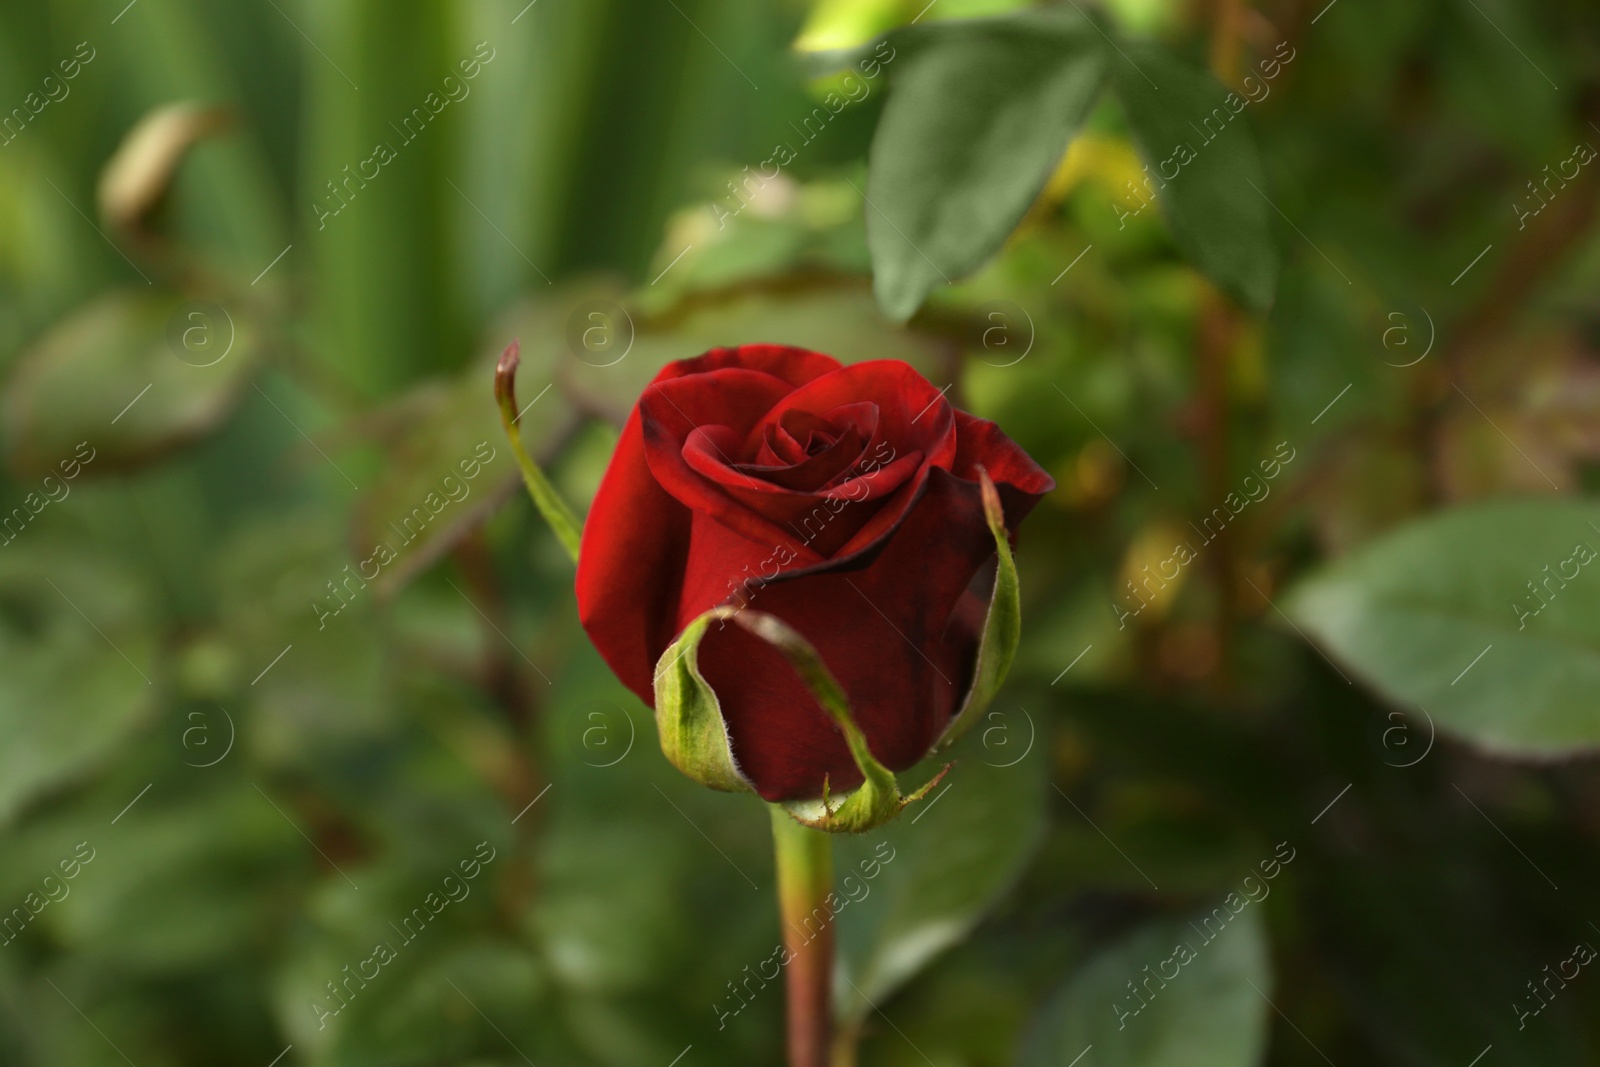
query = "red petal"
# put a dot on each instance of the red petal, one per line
(636, 537)
(900, 634)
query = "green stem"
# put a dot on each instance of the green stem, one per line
(560, 518)
(805, 879)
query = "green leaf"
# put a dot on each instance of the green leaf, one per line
(877, 800)
(1002, 627)
(1441, 614)
(951, 864)
(1207, 1015)
(79, 652)
(1204, 167)
(132, 374)
(694, 736)
(978, 115)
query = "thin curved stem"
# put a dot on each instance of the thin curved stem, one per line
(556, 513)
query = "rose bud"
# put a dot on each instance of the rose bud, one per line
(805, 568)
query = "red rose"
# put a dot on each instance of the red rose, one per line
(843, 499)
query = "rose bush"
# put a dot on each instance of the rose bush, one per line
(844, 500)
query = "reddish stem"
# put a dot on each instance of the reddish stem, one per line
(805, 880)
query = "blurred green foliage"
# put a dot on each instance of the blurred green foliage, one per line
(283, 646)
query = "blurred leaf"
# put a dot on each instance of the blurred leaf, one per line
(79, 659)
(447, 467)
(300, 620)
(951, 859)
(1215, 201)
(224, 197)
(1207, 1016)
(786, 234)
(1495, 597)
(437, 1000)
(138, 177)
(180, 886)
(606, 921)
(978, 115)
(133, 374)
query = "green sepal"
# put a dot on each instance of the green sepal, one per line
(1002, 627)
(877, 800)
(694, 736)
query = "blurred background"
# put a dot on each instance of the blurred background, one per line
(290, 669)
